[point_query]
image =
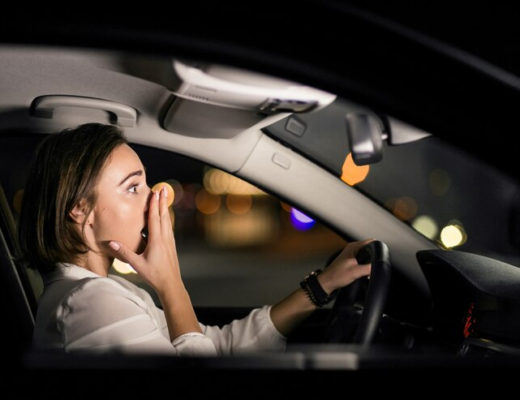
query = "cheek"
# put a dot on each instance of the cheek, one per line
(120, 220)
(112, 217)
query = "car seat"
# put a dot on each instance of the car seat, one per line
(17, 296)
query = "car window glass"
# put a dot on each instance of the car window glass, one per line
(237, 245)
(452, 198)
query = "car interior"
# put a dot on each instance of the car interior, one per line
(425, 307)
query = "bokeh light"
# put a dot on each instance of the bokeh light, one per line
(220, 182)
(186, 205)
(178, 189)
(453, 235)
(239, 203)
(404, 208)
(440, 182)
(426, 226)
(353, 174)
(206, 202)
(169, 189)
(286, 206)
(123, 268)
(301, 221)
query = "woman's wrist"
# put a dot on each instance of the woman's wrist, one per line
(172, 290)
(326, 282)
(315, 291)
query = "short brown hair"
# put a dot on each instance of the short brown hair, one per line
(66, 170)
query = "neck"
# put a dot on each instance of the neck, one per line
(97, 263)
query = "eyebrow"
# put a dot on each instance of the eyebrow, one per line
(135, 173)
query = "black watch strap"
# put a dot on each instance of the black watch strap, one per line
(314, 291)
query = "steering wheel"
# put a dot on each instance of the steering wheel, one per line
(346, 323)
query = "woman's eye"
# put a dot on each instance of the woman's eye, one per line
(133, 189)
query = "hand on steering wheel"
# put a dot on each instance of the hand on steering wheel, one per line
(344, 315)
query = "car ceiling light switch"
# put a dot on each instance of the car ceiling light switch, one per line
(295, 126)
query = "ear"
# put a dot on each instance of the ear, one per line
(78, 213)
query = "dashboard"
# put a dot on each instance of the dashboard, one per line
(475, 302)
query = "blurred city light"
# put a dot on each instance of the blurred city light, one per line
(440, 182)
(123, 268)
(225, 229)
(353, 174)
(220, 182)
(404, 208)
(178, 189)
(206, 202)
(453, 236)
(286, 206)
(301, 221)
(426, 226)
(239, 204)
(186, 205)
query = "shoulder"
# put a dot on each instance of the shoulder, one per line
(101, 298)
(95, 304)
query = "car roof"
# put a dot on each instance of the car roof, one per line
(423, 65)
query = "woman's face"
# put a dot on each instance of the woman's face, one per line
(120, 212)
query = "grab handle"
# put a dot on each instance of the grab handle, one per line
(44, 107)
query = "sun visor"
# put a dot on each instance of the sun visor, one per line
(220, 102)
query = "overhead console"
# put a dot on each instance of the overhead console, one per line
(220, 102)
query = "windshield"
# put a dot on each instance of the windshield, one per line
(448, 196)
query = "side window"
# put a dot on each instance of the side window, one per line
(237, 245)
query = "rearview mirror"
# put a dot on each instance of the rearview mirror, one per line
(365, 137)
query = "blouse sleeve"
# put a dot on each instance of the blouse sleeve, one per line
(256, 332)
(101, 316)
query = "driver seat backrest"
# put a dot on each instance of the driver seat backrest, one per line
(17, 297)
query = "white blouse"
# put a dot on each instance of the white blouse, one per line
(82, 311)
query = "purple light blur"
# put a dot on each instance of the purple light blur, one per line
(301, 221)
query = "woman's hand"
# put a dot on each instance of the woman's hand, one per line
(344, 269)
(291, 311)
(158, 265)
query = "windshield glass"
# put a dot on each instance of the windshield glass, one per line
(450, 197)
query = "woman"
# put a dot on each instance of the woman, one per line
(86, 203)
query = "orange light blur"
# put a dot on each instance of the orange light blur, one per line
(171, 194)
(286, 206)
(238, 204)
(405, 208)
(353, 174)
(207, 203)
(220, 182)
